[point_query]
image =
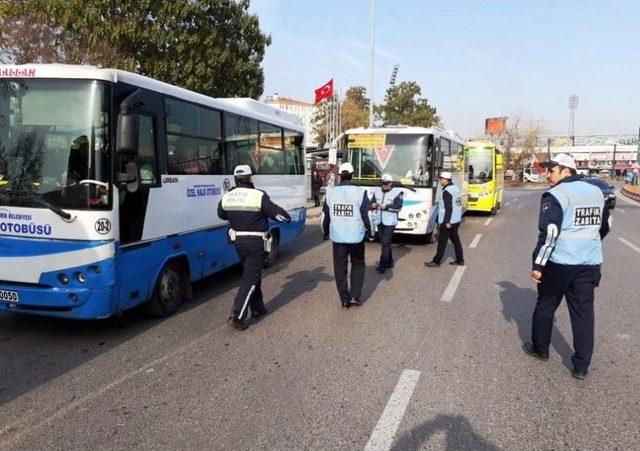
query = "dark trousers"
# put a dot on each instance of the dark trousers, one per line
(249, 296)
(446, 235)
(385, 233)
(577, 284)
(316, 198)
(342, 252)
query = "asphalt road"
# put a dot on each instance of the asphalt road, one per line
(423, 364)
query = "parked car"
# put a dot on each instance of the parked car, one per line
(531, 175)
(608, 190)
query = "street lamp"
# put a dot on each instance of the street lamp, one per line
(573, 105)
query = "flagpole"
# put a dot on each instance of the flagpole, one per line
(373, 52)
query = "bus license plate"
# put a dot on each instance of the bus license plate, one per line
(9, 296)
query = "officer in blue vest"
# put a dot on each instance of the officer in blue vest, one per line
(449, 218)
(345, 218)
(387, 202)
(566, 261)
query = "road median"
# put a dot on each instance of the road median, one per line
(632, 192)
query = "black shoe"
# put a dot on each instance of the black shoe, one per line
(389, 265)
(528, 349)
(460, 263)
(260, 314)
(239, 324)
(357, 302)
(431, 264)
(580, 374)
(346, 304)
(380, 269)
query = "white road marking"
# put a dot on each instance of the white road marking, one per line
(507, 204)
(447, 296)
(515, 200)
(476, 239)
(619, 210)
(630, 244)
(488, 221)
(385, 431)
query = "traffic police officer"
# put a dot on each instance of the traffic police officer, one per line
(566, 261)
(449, 218)
(248, 211)
(387, 202)
(345, 218)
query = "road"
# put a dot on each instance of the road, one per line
(425, 363)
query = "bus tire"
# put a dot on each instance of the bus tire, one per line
(494, 211)
(272, 256)
(169, 291)
(433, 236)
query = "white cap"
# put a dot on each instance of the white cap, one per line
(345, 167)
(562, 159)
(242, 169)
(446, 175)
(386, 178)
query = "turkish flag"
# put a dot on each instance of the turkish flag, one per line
(325, 91)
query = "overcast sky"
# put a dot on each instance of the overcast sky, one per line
(474, 59)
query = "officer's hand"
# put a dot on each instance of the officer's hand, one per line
(374, 206)
(536, 276)
(447, 225)
(325, 237)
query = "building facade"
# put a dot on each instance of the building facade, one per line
(304, 111)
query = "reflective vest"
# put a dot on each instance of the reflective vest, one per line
(578, 242)
(456, 204)
(344, 204)
(242, 199)
(388, 218)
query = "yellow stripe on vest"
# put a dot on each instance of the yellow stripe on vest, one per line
(242, 199)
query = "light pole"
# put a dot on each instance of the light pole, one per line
(573, 105)
(373, 53)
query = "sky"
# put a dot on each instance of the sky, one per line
(474, 59)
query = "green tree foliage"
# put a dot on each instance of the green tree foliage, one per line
(404, 105)
(210, 46)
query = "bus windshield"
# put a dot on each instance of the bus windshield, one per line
(404, 157)
(479, 164)
(54, 143)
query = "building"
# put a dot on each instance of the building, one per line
(593, 153)
(302, 110)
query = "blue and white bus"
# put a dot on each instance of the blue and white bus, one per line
(109, 186)
(414, 157)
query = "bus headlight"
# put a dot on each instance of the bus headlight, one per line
(81, 277)
(418, 215)
(410, 215)
(63, 278)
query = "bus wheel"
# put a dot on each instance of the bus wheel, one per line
(169, 291)
(494, 211)
(433, 236)
(271, 257)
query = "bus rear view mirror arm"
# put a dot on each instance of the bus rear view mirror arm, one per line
(129, 178)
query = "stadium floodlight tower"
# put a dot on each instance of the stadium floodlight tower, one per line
(573, 105)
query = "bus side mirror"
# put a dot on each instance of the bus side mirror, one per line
(128, 133)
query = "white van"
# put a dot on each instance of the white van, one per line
(531, 175)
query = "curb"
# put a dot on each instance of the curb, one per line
(630, 194)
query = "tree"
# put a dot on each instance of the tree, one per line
(210, 46)
(520, 139)
(354, 110)
(404, 105)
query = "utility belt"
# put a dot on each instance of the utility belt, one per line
(267, 238)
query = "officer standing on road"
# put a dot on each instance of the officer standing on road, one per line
(387, 201)
(449, 218)
(567, 259)
(248, 211)
(345, 218)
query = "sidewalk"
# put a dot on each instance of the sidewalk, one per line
(312, 211)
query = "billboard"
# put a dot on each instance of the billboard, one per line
(495, 126)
